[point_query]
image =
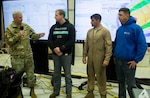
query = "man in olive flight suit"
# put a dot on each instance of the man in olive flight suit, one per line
(98, 50)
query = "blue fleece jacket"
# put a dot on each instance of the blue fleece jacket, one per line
(130, 43)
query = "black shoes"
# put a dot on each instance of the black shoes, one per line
(53, 95)
(69, 96)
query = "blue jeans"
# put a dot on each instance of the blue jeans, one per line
(126, 77)
(65, 62)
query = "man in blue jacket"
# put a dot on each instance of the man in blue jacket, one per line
(129, 48)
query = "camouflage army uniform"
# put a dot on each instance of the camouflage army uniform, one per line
(20, 49)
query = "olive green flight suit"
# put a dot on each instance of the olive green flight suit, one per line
(97, 48)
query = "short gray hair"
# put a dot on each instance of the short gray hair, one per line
(15, 13)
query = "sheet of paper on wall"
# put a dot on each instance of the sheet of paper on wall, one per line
(144, 94)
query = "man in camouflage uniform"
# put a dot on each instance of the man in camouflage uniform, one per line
(18, 36)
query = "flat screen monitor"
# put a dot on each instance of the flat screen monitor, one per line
(140, 9)
(39, 14)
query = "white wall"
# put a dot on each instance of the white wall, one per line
(78, 46)
(146, 61)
